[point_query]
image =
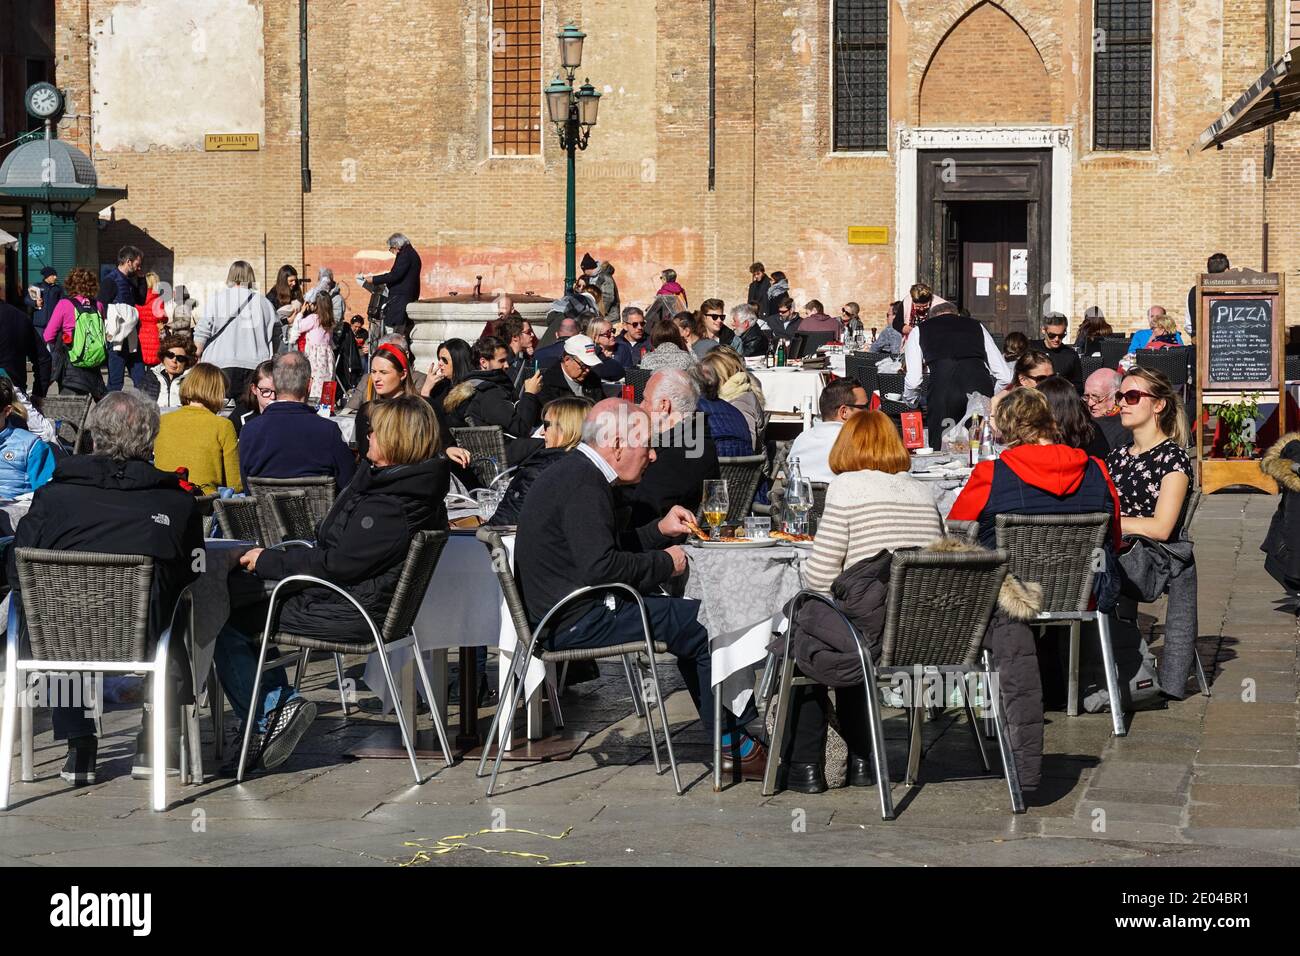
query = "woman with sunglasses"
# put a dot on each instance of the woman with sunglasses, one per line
(162, 382)
(1153, 475)
(708, 326)
(1031, 368)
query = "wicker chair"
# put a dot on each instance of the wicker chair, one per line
(860, 367)
(937, 612)
(890, 383)
(819, 505)
(241, 519)
(529, 646)
(637, 378)
(1112, 350)
(319, 489)
(742, 475)
(1171, 362)
(106, 629)
(487, 450)
(1292, 368)
(292, 516)
(1059, 553)
(397, 631)
(68, 414)
(1089, 364)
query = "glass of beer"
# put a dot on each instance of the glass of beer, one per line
(714, 506)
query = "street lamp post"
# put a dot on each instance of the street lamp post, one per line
(574, 114)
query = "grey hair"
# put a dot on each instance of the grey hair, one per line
(325, 273)
(123, 426)
(682, 391)
(291, 374)
(503, 297)
(618, 422)
(744, 312)
(394, 338)
(397, 241)
(632, 310)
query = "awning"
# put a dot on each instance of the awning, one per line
(1270, 99)
(67, 199)
(7, 240)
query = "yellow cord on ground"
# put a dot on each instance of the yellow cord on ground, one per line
(444, 845)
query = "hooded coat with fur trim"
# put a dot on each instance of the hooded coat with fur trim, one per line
(483, 398)
(1282, 543)
(829, 655)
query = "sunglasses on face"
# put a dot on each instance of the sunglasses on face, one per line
(1053, 335)
(546, 424)
(1039, 378)
(714, 315)
(1133, 396)
(176, 356)
(782, 311)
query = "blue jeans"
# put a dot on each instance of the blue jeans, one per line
(675, 622)
(236, 660)
(118, 361)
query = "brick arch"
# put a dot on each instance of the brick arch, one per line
(960, 84)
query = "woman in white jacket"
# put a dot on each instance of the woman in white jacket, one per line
(163, 381)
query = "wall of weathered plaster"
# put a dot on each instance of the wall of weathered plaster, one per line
(164, 73)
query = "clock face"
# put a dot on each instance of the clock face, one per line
(43, 100)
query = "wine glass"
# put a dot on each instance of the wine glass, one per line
(714, 506)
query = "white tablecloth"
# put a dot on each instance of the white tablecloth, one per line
(347, 426)
(786, 388)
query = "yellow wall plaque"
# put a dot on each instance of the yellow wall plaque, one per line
(868, 235)
(231, 142)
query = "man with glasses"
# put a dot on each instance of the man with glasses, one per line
(634, 333)
(840, 401)
(1100, 395)
(1065, 360)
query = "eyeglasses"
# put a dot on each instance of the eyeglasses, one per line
(265, 392)
(1133, 396)
(782, 311)
(176, 356)
(635, 325)
(1097, 399)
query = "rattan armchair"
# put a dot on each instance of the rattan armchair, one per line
(241, 519)
(528, 647)
(1112, 350)
(487, 450)
(742, 475)
(292, 516)
(637, 378)
(105, 629)
(861, 367)
(68, 414)
(397, 631)
(318, 489)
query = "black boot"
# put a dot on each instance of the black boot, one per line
(860, 771)
(79, 767)
(803, 778)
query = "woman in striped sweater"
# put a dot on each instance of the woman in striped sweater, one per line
(874, 504)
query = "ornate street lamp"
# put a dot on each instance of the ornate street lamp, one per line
(574, 114)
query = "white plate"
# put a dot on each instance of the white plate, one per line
(735, 545)
(922, 452)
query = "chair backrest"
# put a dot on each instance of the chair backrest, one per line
(487, 450)
(509, 586)
(1089, 364)
(291, 515)
(240, 519)
(319, 489)
(1189, 512)
(421, 562)
(83, 606)
(68, 413)
(1059, 552)
(742, 474)
(890, 383)
(637, 378)
(939, 606)
(998, 339)
(1172, 362)
(205, 503)
(819, 499)
(1112, 350)
(1292, 368)
(858, 367)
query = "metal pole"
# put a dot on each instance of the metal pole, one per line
(571, 199)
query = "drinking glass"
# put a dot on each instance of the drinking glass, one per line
(714, 506)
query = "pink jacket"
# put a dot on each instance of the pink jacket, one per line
(64, 319)
(309, 325)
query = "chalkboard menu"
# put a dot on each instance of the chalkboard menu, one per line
(1240, 342)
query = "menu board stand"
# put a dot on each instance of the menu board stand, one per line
(1240, 352)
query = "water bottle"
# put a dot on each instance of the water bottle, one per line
(986, 450)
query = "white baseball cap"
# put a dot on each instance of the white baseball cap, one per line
(583, 349)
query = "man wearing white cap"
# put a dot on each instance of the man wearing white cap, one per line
(572, 374)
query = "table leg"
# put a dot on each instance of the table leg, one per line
(468, 737)
(438, 678)
(406, 687)
(505, 728)
(717, 738)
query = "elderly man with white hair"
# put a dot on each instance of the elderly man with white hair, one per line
(402, 280)
(685, 453)
(750, 341)
(1100, 394)
(561, 548)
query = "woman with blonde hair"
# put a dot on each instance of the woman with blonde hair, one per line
(197, 438)
(738, 386)
(1164, 333)
(361, 546)
(562, 422)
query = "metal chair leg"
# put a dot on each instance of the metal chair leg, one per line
(434, 710)
(506, 707)
(217, 704)
(28, 771)
(914, 720)
(8, 724)
(343, 694)
(1004, 739)
(660, 705)
(1201, 679)
(879, 757)
(1112, 676)
(254, 702)
(779, 727)
(717, 739)
(765, 682)
(553, 693)
(303, 657)
(397, 709)
(632, 686)
(160, 733)
(195, 737)
(973, 723)
(1072, 694)
(649, 719)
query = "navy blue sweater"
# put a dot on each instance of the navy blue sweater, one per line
(289, 440)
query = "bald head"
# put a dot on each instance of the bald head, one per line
(1099, 391)
(670, 395)
(619, 431)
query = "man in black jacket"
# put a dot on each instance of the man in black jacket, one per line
(19, 344)
(115, 502)
(749, 339)
(1065, 360)
(685, 455)
(757, 297)
(572, 374)
(560, 548)
(403, 282)
(484, 397)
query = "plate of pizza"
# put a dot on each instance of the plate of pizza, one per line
(795, 540)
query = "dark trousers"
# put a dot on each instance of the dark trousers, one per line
(674, 622)
(119, 360)
(810, 712)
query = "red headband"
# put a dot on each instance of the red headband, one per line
(397, 354)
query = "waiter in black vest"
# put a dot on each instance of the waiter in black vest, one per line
(961, 357)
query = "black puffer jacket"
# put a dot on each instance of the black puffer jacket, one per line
(360, 545)
(825, 652)
(526, 473)
(484, 398)
(1282, 543)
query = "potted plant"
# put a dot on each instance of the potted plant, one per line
(1236, 424)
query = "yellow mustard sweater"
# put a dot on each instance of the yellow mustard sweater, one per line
(205, 444)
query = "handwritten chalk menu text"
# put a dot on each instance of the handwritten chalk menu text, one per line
(1241, 341)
